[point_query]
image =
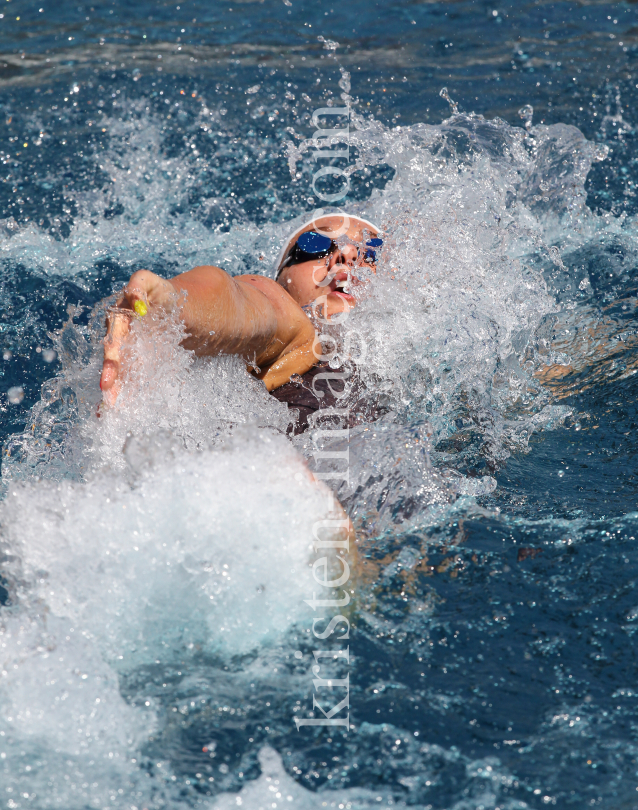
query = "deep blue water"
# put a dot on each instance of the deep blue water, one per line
(518, 687)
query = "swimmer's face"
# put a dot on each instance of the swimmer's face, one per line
(325, 278)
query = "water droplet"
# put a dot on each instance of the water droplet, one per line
(444, 94)
(15, 394)
(526, 113)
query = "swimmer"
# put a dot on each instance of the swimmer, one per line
(266, 321)
(262, 320)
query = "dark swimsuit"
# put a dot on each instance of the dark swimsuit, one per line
(306, 394)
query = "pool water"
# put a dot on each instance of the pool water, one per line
(155, 638)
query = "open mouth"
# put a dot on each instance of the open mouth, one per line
(341, 285)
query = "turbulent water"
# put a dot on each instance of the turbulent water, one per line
(155, 635)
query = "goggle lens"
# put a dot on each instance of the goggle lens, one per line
(314, 244)
(371, 255)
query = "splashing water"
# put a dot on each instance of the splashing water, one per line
(446, 329)
(114, 575)
(156, 558)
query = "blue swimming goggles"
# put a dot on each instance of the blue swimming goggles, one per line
(313, 245)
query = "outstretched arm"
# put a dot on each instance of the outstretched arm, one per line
(251, 316)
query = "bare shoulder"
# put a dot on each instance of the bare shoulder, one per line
(276, 295)
(267, 285)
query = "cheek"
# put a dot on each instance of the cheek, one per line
(318, 276)
(297, 286)
(305, 280)
(309, 278)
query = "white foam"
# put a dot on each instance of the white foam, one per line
(166, 388)
(204, 553)
(67, 737)
(205, 548)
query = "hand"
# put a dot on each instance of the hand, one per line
(145, 290)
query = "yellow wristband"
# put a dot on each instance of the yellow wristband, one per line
(140, 308)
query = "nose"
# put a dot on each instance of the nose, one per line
(346, 255)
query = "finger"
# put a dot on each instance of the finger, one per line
(110, 396)
(118, 328)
